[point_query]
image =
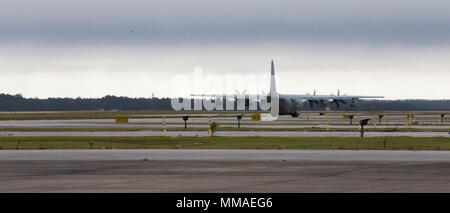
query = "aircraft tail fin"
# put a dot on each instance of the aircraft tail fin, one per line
(273, 87)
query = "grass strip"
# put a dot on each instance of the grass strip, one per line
(348, 143)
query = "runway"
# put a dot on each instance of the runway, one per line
(223, 171)
(229, 133)
(201, 123)
(189, 170)
(224, 155)
(310, 125)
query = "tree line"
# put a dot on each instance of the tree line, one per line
(19, 103)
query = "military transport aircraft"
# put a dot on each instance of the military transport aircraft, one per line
(291, 104)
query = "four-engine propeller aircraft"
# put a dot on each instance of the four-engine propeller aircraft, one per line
(291, 104)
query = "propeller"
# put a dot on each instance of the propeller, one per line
(336, 101)
(295, 103)
(311, 104)
(322, 103)
(354, 102)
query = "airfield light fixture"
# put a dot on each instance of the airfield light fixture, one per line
(239, 117)
(185, 118)
(379, 118)
(362, 123)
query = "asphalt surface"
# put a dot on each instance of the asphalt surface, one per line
(225, 155)
(220, 170)
(223, 171)
(229, 133)
(284, 122)
(201, 123)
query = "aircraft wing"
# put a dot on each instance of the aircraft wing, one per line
(327, 97)
(323, 100)
(238, 96)
(290, 96)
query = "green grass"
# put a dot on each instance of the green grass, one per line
(373, 143)
(300, 129)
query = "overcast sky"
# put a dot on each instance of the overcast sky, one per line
(61, 48)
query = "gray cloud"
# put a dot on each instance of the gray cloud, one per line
(399, 49)
(111, 21)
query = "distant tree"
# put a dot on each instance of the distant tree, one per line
(19, 103)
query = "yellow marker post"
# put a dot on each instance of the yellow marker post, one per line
(209, 130)
(374, 124)
(122, 120)
(256, 117)
(164, 126)
(410, 118)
